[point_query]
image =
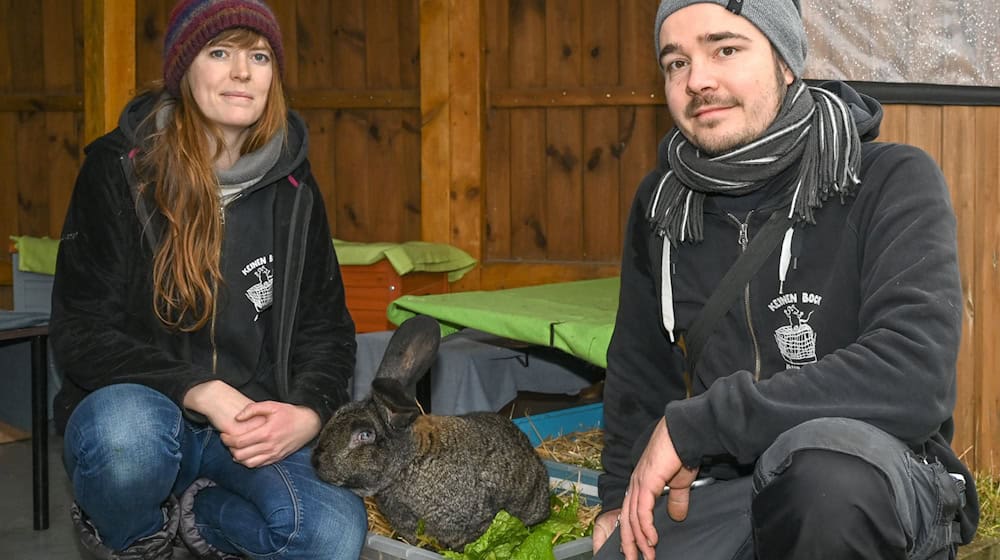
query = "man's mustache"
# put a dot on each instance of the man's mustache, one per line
(700, 101)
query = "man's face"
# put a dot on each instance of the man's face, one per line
(723, 80)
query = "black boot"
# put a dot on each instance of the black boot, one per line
(188, 531)
(157, 546)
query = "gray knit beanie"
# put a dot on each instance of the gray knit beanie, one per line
(779, 20)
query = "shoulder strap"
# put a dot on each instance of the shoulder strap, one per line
(731, 285)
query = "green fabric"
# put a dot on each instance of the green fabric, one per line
(576, 317)
(36, 254)
(407, 257)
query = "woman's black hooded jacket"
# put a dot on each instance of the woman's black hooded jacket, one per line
(103, 328)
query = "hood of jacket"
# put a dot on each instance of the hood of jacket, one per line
(866, 110)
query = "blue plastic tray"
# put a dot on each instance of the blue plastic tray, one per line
(561, 422)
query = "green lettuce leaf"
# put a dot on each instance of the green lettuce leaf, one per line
(536, 546)
(507, 538)
(504, 534)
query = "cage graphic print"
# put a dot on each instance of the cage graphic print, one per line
(261, 293)
(796, 340)
(797, 344)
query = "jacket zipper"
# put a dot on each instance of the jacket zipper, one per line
(223, 205)
(215, 286)
(744, 240)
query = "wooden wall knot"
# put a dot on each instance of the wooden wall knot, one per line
(565, 159)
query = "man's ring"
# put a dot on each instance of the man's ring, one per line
(618, 521)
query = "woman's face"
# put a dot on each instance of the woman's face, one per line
(230, 84)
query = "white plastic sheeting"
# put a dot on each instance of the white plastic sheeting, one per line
(954, 42)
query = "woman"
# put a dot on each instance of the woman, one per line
(199, 315)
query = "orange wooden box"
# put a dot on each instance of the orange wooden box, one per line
(370, 288)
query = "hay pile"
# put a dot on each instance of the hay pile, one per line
(377, 523)
(582, 449)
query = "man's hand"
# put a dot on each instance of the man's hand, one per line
(604, 525)
(278, 430)
(658, 467)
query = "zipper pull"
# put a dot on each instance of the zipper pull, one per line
(744, 238)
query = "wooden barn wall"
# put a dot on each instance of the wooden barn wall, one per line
(574, 112)
(571, 114)
(41, 119)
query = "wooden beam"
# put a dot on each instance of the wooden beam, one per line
(987, 288)
(109, 63)
(453, 127)
(588, 96)
(20, 102)
(435, 112)
(367, 99)
(466, 71)
(958, 163)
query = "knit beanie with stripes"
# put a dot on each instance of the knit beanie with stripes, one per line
(779, 20)
(193, 23)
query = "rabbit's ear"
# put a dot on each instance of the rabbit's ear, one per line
(397, 408)
(411, 351)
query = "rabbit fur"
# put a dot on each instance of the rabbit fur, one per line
(453, 473)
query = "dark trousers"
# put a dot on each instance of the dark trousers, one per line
(828, 489)
(827, 505)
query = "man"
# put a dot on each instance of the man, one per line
(816, 420)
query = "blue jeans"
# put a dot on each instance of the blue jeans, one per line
(128, 447)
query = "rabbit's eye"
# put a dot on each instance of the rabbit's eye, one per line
(362, 437)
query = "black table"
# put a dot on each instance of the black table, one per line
(38, 335)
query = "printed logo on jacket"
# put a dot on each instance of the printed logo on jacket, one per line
(796, 340)
(261, 294)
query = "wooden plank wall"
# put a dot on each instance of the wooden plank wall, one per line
(41, 119)
(561, 106)
(574, 111)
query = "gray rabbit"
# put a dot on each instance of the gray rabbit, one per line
(453, 473)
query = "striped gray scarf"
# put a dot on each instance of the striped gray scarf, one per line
(813, 125)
